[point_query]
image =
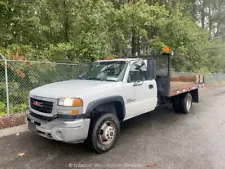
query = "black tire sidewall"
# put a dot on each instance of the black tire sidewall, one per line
(98, 147)
(175, 103)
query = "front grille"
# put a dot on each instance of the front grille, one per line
(42, 117)
(41, 105)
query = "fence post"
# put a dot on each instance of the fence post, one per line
(6, 83)
(78, 69)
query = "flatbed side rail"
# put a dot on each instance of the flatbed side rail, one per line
(184, 90)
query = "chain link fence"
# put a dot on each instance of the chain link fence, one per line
(209, 78)
(214, 78)
(18, 77)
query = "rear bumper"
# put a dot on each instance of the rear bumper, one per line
(59, 129)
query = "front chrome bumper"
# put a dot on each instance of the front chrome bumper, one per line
(59, 129)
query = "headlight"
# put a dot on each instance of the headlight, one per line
(70, 102)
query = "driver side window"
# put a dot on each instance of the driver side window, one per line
(138, 72)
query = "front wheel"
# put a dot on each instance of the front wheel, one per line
(104, 132)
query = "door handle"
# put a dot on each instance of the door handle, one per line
(150, 86)
(138, 83)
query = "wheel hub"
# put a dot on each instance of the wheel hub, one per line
(107, 132)
(188, 103)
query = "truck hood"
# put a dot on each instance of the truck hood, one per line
(70, 88)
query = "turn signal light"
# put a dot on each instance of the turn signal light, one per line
(77, 102)
(75, 111)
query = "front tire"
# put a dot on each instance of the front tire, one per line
(104, 132)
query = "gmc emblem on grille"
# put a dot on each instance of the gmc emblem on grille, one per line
(37, 103)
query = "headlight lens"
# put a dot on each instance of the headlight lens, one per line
(70, 102)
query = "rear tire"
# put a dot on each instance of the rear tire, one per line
(183, 103)
(104, 132)
(186, 103)
(176, 104)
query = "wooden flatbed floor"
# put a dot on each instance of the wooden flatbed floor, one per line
(176, 85)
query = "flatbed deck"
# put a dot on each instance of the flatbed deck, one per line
(181, 84)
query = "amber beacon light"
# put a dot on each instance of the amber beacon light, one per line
(166, 49)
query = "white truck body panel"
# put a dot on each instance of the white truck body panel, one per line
(138, 99)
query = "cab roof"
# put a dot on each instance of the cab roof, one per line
(120, 59)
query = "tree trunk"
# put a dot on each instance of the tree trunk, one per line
(218, 28)
(133, 43)
(66, 22)
(210, 19)
(203, 14)
(174, 3)
(194, 10)
(138, 45)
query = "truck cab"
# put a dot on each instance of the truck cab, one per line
(91, 107)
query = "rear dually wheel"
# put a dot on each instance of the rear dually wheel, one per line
(186, 103)
(182, 103)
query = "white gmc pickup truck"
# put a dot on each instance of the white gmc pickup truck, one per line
(92, 106)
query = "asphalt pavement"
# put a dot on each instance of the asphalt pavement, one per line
(158, 140)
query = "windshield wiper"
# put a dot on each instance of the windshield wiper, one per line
(94, 78)
(109, 80)
(80, 77)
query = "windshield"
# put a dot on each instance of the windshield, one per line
(105, 71)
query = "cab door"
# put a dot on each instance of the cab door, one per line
(130, 100)
(146, 96)
(128, 90)
(145, 89)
